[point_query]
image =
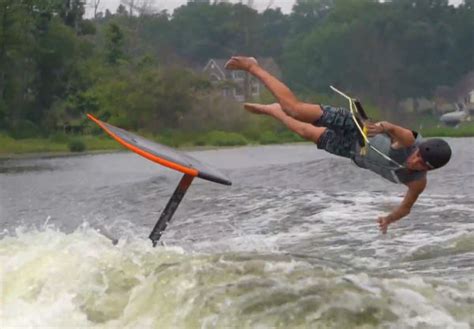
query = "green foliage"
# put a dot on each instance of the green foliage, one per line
(203, 31)
(268, 137)
(9, 145)
(147, 97)
(134, 71)
(114, 44)
(287, 136)
(24, 129)
(464, 130)
(3, 114)
(388, 50)
(59, 137)
(223, 138)
(101, 142)
(76, 145)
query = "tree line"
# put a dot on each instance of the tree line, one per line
(142, 69)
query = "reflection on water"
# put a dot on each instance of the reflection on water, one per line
(12, 168)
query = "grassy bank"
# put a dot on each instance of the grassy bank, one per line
(9, 145)
(464, 130)
(61, 143)
(67, 143)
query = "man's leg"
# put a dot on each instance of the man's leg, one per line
(305, 130)
(289, 103)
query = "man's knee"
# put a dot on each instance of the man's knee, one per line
(311, 133)
(304, 112)
(291, 109)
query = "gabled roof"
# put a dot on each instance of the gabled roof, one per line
(220, 67)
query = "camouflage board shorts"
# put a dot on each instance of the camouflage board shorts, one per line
(342, 134)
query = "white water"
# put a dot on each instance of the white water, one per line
(52, 279)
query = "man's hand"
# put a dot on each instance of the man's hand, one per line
(383, 223)
(374, 128)
(401, 137)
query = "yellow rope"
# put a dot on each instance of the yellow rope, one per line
(353, 109)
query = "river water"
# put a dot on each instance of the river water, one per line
(293, 243)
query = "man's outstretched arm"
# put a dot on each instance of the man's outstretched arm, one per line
(415, 188)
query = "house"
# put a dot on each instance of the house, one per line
(238, 84)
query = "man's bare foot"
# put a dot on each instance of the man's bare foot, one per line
(240, 63)
(267, 109)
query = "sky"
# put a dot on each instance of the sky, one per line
(285, 5)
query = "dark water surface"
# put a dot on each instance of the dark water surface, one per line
(293, 243)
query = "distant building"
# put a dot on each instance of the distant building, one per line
(238, 84)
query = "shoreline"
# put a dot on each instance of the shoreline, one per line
(48, 148)
(186, 148)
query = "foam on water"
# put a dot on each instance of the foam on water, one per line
(57, 280)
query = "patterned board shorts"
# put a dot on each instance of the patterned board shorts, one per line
(342, 134)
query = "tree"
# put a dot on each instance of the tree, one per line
(121, 10)
(203, 31)
(142, 7)
(114, 44)
(274, 28)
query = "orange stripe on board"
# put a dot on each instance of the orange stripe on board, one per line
(149, 156)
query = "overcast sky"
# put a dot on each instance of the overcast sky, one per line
(285, 5)
(112, 5)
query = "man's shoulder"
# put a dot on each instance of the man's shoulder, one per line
(408, 177)
(418, 138)
(419, 183)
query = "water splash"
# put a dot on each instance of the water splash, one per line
(53, 279)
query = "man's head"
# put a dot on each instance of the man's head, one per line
(431, 154)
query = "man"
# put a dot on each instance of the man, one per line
(407, 157)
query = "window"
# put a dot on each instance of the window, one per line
(238, 91)
(238, 75)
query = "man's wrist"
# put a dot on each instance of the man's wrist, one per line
(391, 218)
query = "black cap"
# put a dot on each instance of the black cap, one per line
(435, 152)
